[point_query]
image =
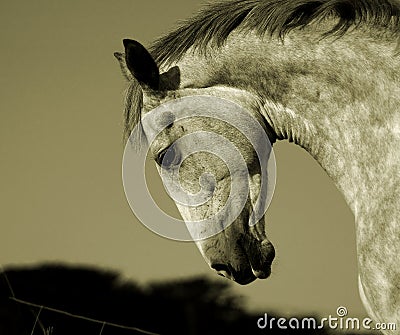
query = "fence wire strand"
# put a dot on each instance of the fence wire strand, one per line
(55, 310)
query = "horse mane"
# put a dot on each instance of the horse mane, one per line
(213, 24)
(132, 113)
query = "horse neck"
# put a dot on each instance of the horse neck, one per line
(342, 105)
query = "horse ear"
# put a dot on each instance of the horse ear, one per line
(141, 65)
(171, 79)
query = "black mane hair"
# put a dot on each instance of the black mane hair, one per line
(213, 24)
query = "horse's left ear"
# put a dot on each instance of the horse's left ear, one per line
(137, 63)
(141, 65)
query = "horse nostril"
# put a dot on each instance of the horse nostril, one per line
(222, 269)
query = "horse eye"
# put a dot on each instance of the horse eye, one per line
(167, 157)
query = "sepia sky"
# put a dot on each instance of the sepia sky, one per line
(61, 194)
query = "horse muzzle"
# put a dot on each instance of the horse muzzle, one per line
(247, 261)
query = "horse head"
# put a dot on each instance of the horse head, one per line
(234, 245)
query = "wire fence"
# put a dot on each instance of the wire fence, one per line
(48, 331)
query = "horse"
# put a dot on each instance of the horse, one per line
(324, 75)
